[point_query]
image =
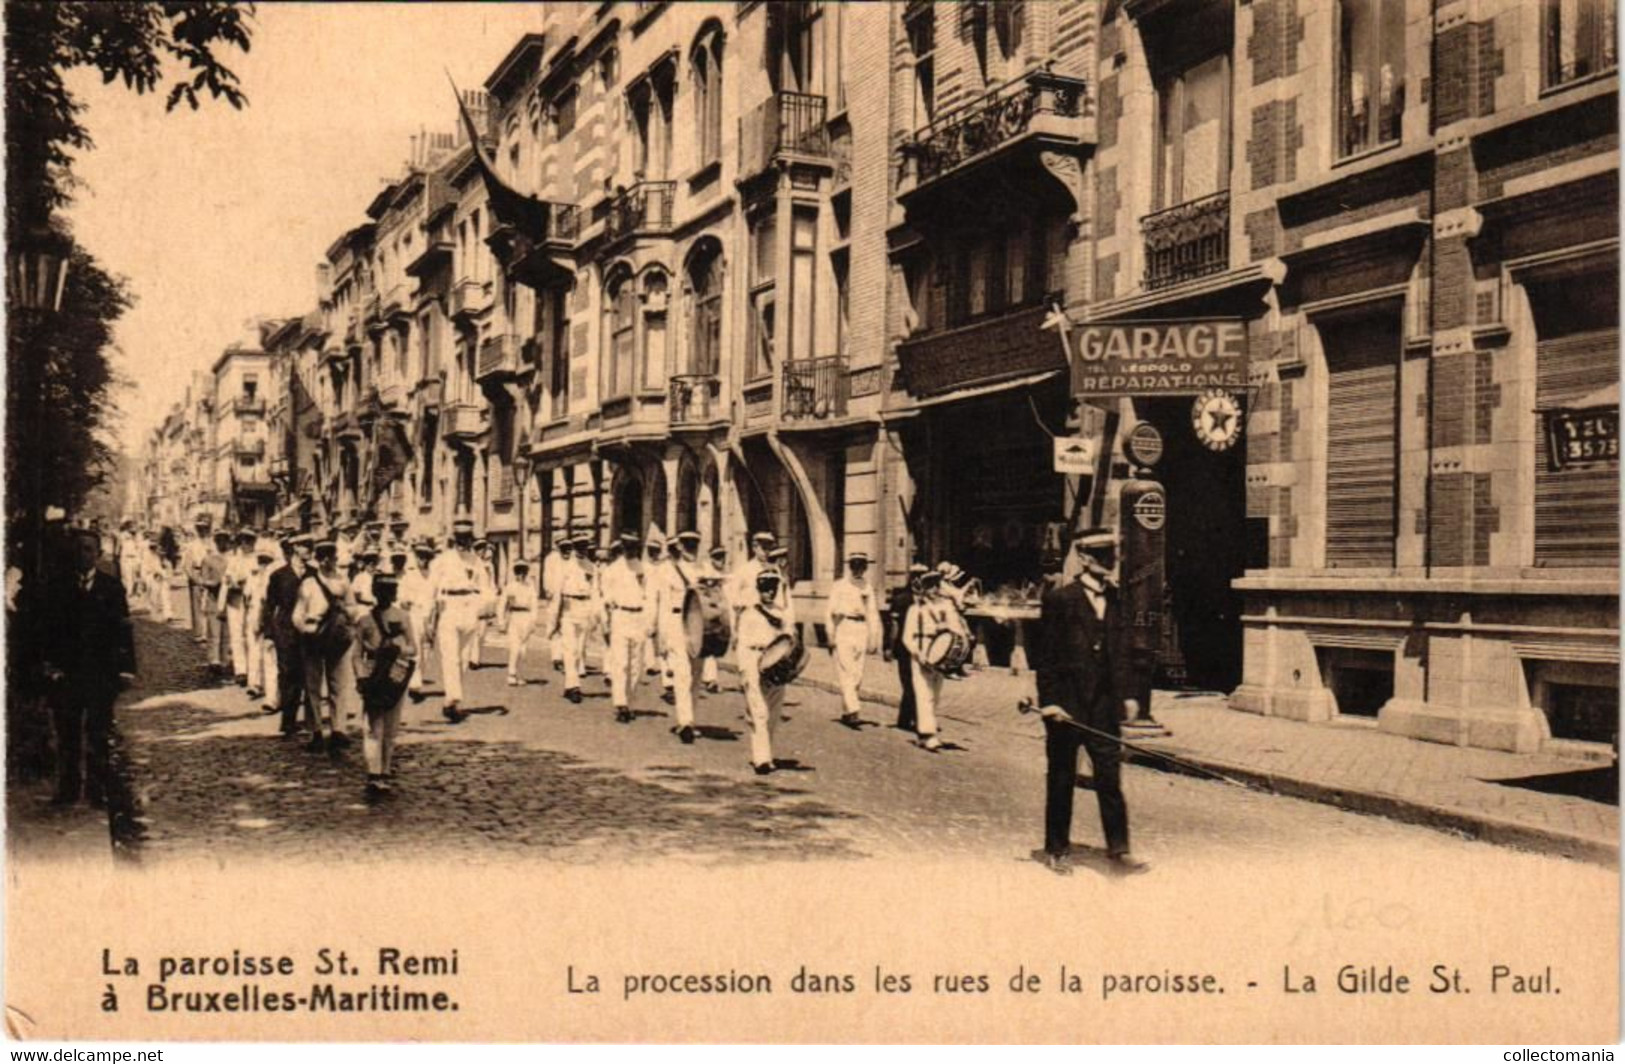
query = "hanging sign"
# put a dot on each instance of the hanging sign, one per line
(1145, 444)
(1074, 456)
(1581, 437)
(1158, 357)
(1216, 417)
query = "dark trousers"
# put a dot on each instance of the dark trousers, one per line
(1061, 742)
(905, 677)
(290, 683)
(84, 728)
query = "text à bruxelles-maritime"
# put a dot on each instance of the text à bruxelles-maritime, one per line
(329, 995)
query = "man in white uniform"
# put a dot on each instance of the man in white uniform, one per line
(629, 620)
(558, 559)
(517, 615)
(415, 595)
(669, 581)
(487, 574)
(573, 610)
(455, 577)
(192, 556)
(742, 588)
(853, 623)
(928, 616)
(760, 625)
(261, 651)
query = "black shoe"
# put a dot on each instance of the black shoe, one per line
(452, 714)
(287, 736)
(269, 711)
(316, 745)
(240, 680)
(558, 666)
(1056, 862)
(339, 739)
(668, 697)
(763, 770)
(686, 734)
(574, 695)
(415, 696)
(851, 721)
(623, 715)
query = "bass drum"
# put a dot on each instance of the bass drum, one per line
(948, 651)
(705, 621)
(783, 661)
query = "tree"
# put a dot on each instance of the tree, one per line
(139, 43)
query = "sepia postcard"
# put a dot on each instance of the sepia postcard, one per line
(781, 521)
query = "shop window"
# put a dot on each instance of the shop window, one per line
(705, 62)
(1193, 133)
(921, 24)
(1362, 440)
(1370, 74)
(1579, 38)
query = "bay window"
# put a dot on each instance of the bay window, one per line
(1370, 74)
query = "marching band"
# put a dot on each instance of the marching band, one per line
(309, 630)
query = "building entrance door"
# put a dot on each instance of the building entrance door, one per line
(1206, 545)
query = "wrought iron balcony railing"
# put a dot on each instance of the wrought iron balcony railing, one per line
(815, 389)
(1188, 241)
(998, 118)
(786, 122)
(643, 208)
(696, 399)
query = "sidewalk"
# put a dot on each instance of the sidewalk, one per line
(1532, 801)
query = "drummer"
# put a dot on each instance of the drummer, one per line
(853, 623)
(715, 572)
(669, 578)
(742, 588)
(761, 625)
(926, 617)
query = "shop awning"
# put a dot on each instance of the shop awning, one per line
(985, 389)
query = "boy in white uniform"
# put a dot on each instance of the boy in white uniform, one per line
(517, 614)
(760, 625)
(853, 623)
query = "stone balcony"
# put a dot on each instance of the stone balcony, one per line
(462, 420)
(499, 358)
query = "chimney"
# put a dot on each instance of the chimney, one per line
(324, 280)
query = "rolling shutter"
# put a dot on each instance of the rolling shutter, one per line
(1577, 509)
(1362, 389)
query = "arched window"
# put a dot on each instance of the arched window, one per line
(620, 335)
(705, 309)
(706, 63)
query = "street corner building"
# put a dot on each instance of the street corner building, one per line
(1315, 299)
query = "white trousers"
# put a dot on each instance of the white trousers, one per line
(378, 742)
(624, 660)
(851, 652)
(417, 621)
(237, 637)
(520, 625)
(927, 692)
(459, 621)
(766, 707)
(571, 644)
(679, 667)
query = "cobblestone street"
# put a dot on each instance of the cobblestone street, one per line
(532, 776)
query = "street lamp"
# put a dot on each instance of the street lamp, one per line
(36, 274)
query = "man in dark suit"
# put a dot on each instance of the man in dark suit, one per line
(281, 596)
(1085, 684)
(90, 650)
(897, 607)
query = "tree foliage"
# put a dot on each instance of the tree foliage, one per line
(140, 43)
(60, 389)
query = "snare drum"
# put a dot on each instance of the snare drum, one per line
(948, 651)
(706, 621)
(782, 661)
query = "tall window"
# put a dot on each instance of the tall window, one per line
(1362, 440)
(1193, 133)
(706, 64)
(1370, 74)
(705, 317)
(1579, 39)
(763, 326)
(557, 325)
(656, 292)
(620, 333)
(564, 113)
(922, 42)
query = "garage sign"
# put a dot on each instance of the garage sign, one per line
(1144, 358)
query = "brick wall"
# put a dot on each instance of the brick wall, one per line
(1273, 46)
(1272, 148)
